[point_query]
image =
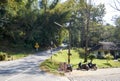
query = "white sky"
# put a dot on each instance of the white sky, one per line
(110, 12)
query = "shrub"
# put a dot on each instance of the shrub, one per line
(108, 57)
(49, 65)
(119, 59)
(54, 46)
(74, 48)
(2, 56)
(91, 57)
(81, 52)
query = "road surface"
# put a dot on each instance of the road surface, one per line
(110, 74)
(27, 69)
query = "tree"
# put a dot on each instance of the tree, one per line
(58, 13)
(91, 57)
(117, 22)
(8, 10)
(116, 33)
(30, 22)
(116, 5)
(86, 20)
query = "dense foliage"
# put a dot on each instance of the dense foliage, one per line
(25, 22)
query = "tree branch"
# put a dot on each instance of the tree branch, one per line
(116, 7)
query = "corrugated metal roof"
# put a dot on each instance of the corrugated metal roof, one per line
(105, 46)
(108, 46)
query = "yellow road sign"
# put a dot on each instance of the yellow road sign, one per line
(37, 45)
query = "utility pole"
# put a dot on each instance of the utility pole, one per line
(51, 49)
(69, 42)
(87, 31)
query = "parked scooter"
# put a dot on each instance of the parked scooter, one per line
(69, 67)
(92, 66)
(83, 66)
(87, 66)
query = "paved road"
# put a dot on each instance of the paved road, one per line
(111, 74)
(27, 69)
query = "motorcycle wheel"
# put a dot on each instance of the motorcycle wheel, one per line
(95, 68)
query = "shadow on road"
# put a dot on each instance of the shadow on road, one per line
(28, 65)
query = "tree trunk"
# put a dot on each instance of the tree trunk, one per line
(87, 32)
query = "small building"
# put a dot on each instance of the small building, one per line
(106, 47)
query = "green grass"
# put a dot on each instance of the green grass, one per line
(19, 55)
(103, 63)
(50, 66)
(14, 56)
(61, 56)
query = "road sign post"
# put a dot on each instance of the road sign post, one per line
(37, 46)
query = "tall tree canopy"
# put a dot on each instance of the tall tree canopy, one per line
(28, 21)
(24, 22)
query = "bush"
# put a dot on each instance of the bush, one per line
(49, 65)
(81, 52)
(91, 57)
(108, 57)
(119, 59)
(2, 56)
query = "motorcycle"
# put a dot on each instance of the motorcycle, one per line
(87, 66)
(92, 66)
(69, 67)
(83, 66)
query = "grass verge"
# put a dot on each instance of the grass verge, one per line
(51, 65)
(7, 56)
